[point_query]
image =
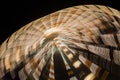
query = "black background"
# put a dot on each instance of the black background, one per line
(15, 14)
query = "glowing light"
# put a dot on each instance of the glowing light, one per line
(65, 50)
(90, 77)
(76, 64)
(70, 56)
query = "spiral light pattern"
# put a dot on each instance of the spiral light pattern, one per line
(76, 43)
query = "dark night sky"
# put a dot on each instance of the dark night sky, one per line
(18, 13)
